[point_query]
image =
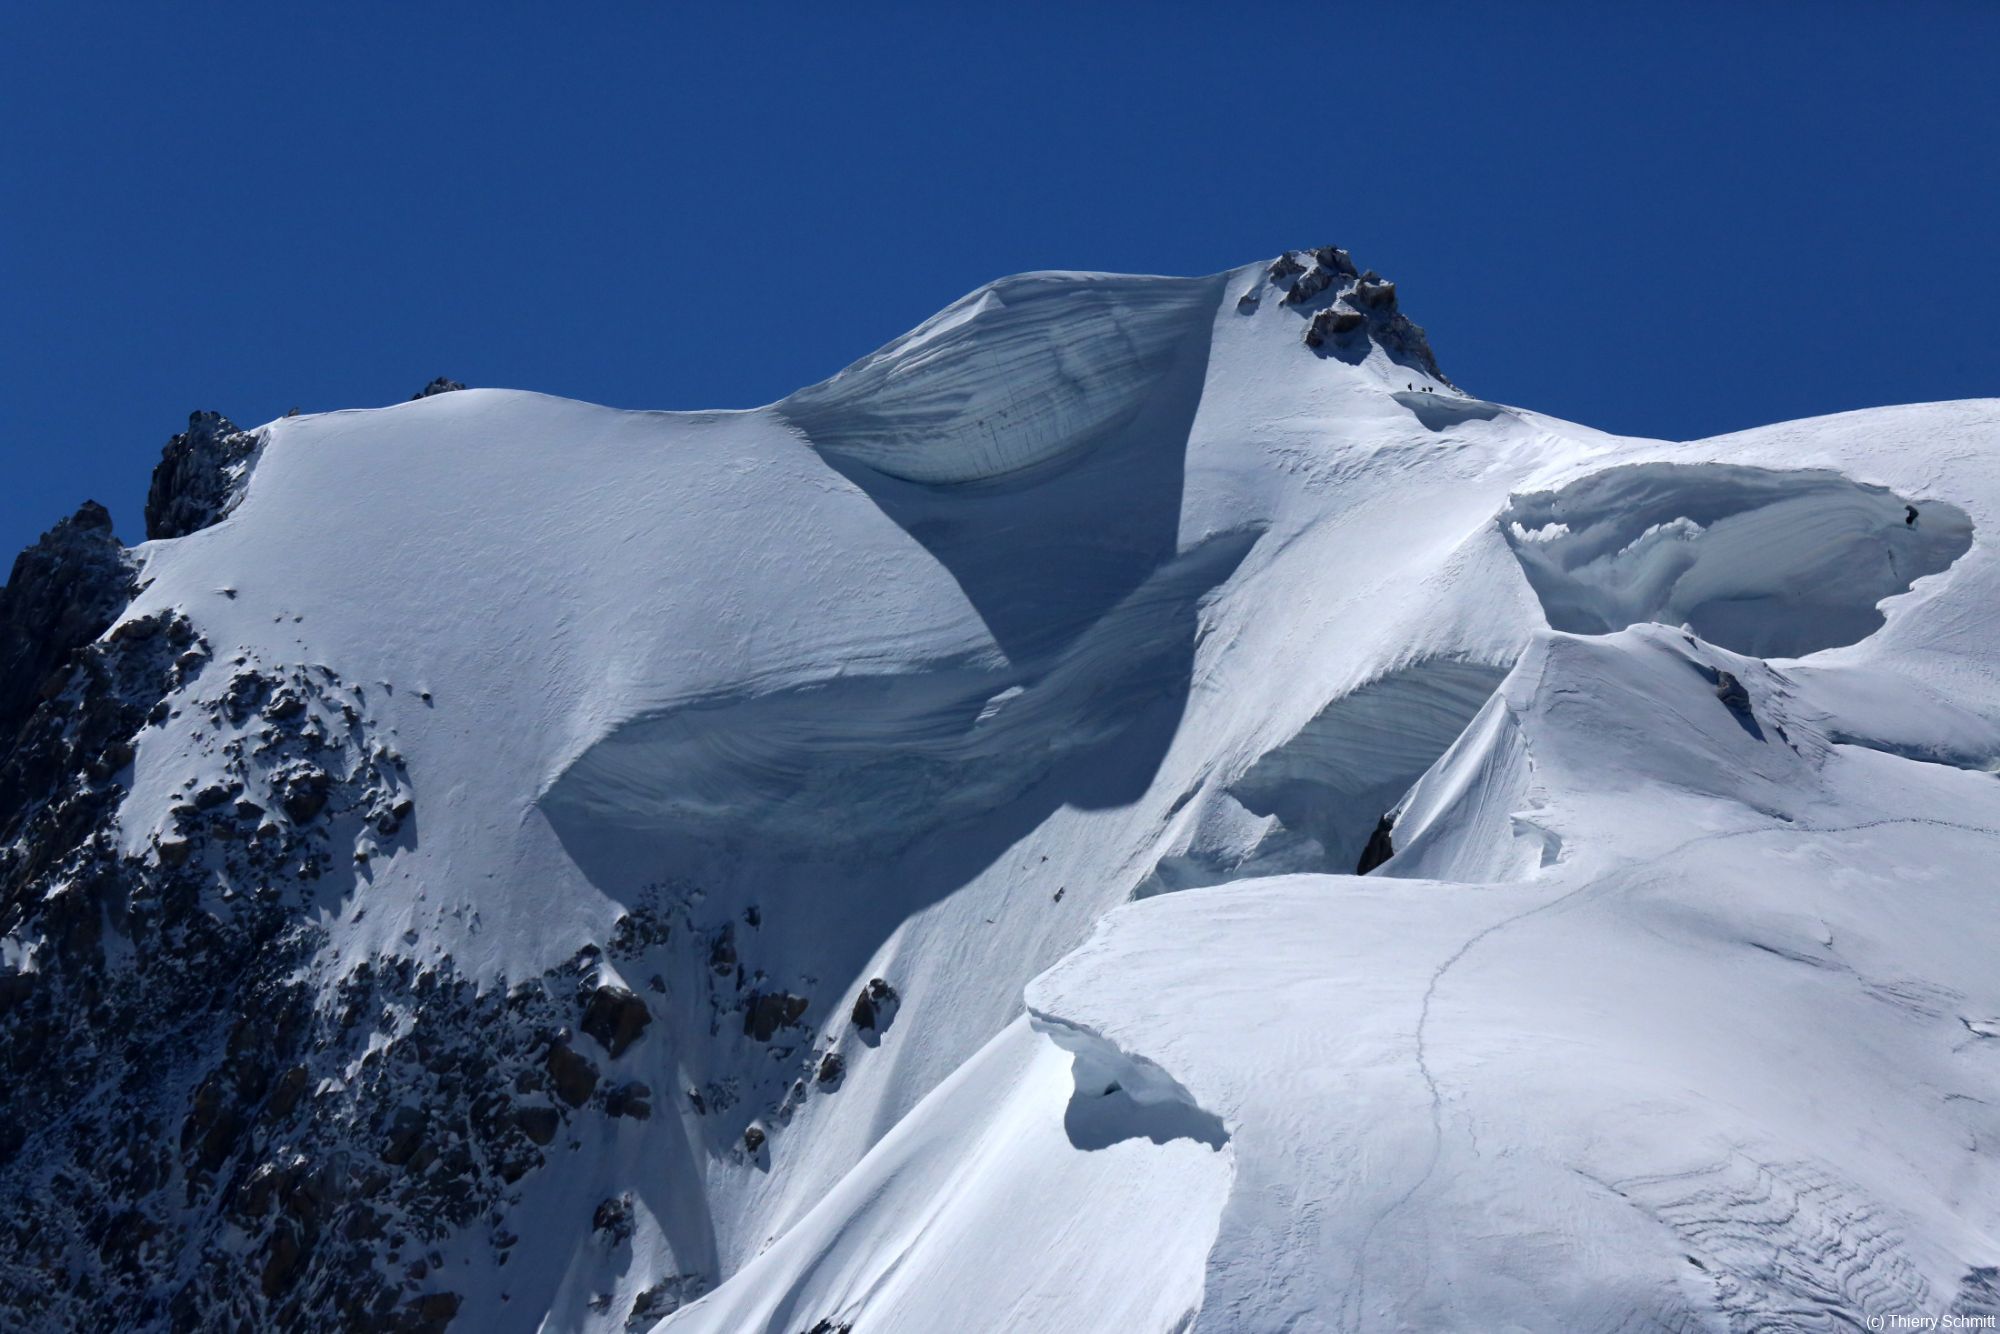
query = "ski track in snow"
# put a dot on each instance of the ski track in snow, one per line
(1582, 892)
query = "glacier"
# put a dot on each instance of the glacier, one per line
(1138, 806)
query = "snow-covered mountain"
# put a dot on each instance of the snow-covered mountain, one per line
(887, 861)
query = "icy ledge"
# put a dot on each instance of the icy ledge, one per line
(1770, 563)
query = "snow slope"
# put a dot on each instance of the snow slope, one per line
(1055, 665)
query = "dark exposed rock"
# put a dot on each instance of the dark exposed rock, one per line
(1405, 342)
(753, 1138)
(832, 1067)
(1360, 302)
(440, 385)
(613, 1219)
(769, 1011)
(285, 1095)
(616, 1018)
(722, 949)
(538, 1123)
(213, 1123)
(200, 476)
(1374, 293)
(281, 1260)
(415, 1061)
(574, 1075)
(433, 1312)
(1380, 849)
(631, 1099)
(1731, 692)
(874, 1005)
(1331, 323)
(60, 876)
(1333, 258)
(638, 931)
(62, 593)
(244, 695)
(303, 792)
(1310, 284)
(406, 1136)
(1311, 272)
(662, 1299)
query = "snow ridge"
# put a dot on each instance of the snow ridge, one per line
(1014, 375)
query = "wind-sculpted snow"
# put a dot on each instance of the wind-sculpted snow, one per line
(1019, 373)
(512, 864)
(1500, 804)
(1359, 755)
(1546, 1105)
(1123, 1095)
(874, 762)
(1474, 815)
(981, 1211)
(1774, 563)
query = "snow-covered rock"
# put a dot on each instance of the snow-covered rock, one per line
(884, 861)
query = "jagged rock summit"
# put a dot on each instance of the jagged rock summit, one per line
(886, 860)
(1346, 310)
(63, 592)
(200, 476)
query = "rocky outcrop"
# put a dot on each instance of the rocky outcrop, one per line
(875, 1006)
(1345, 310)
(440, 385)
(63, 592)
(1373, 292)
(662, 1299)
(767, 1012)
(612, 1220)
(616, 1018)
(1380, 847)
(632, 1099)
(1332, 323)
(571, 1073)
(1731, 692)
(1311, 272)
(200, 476)
(204, 1124)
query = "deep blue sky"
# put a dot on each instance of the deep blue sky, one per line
(1672, 221)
